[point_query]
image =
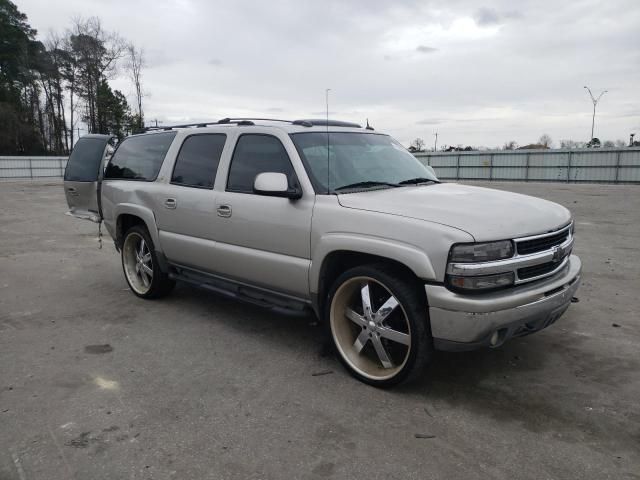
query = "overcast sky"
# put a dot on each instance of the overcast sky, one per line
(477, 73)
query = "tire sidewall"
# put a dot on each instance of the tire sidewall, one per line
(415, 309)
(157, 288)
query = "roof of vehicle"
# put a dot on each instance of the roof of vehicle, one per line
(289, 126)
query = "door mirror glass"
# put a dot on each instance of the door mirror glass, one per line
(275, 185)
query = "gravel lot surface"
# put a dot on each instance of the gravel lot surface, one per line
(98, 384)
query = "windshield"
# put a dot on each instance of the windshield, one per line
(363, 160)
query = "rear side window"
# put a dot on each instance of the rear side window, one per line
(255, 154)
(198, 160)
(85, 160)
(140, 157)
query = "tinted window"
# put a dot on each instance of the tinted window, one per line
(198, 160)
(255, 154)
(139, 157)
(85, 160)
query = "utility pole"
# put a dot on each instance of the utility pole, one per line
(595, 102)
(435, 144)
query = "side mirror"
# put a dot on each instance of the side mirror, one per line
(274, 184)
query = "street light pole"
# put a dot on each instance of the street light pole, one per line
(595, 102)
(435, 144)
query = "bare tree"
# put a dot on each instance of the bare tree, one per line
(69, 71)
(511, 145)
(97, 53)
(57, 57)
(417, 145)
(545, 140)
(571, 144)
(135, 64)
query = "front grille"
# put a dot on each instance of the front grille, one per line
(536, 270)
(542, 243)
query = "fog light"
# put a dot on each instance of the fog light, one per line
(494, 338)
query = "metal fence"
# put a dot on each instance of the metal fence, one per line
(603, 165)
(32, 167)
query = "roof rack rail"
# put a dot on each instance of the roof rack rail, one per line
(304, 122)
(244, 119)
(325, 123)
(241, 121)
(184, 125)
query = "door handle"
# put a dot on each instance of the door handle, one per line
(170, 203)
(224, 211)
(72, 191)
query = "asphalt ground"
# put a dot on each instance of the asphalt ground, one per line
(98, 384)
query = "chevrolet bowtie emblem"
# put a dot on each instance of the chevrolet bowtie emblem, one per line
(558, 253)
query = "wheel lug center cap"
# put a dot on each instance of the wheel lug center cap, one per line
(372, 325)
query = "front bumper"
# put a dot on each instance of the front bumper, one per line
(466, 322)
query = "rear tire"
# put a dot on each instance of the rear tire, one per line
(379, 325)
(141, 267)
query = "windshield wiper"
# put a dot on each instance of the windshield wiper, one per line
(417, 180)
(368, 183)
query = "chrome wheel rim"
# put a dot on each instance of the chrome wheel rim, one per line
(137, 262)
(370, 328)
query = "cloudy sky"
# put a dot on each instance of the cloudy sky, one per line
(478, 73)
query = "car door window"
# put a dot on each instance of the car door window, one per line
(254, 154)
(139, 157)
(85, 160)
(198, 159)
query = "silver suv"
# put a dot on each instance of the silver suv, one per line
(329, 217)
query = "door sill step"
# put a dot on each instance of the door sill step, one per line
(276, 302)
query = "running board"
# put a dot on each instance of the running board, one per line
(274, 301)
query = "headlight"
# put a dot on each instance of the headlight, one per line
(481, 283)
(481, 252)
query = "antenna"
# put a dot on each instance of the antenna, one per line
(326, 97)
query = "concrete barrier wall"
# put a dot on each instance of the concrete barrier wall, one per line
(32, 167)
(601, 165)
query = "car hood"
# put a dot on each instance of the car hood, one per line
(484, 213)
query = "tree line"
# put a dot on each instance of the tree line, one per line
(48, 88)
(544, 142)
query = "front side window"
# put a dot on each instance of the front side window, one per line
(139, 157)
(198, 159)
(254, 154)
(345, 159)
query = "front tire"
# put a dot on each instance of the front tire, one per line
(141, 267)
(379, 325)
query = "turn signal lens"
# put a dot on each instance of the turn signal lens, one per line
(484, 282)
(481, 252)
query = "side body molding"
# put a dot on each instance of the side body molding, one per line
(407, 254)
